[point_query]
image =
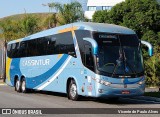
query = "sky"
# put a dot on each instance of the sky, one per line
(13, 7)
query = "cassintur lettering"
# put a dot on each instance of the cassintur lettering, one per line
(36, 62)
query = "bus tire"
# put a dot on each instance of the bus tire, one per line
(72, 91)
(23, 86)
(17, 85)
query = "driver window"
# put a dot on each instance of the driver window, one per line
(88, 57)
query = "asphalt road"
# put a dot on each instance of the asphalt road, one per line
(11, 99)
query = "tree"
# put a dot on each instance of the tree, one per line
(29, 25)
(15, 29)
(68, 13)
(11, 29)
(153, 71)
(100, 16)
(51, 21)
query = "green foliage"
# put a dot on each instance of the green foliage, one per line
(51, 21)
(139, 15)
(25, 25)
(29, 25)
(153, 71)
(143, 16)
(116, 14)
(11, 29)
(68, 13)
(100, 16)
(151, 37)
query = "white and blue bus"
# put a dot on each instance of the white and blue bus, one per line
(79, 59)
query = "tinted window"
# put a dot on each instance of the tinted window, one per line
(64, 44)
(12, 50)
(9, 50)
(51, 47)
(115, 39)
(22, 52)
(80, 34)
(32, 48)
(42, 44)
(88, 57)
(54, 44)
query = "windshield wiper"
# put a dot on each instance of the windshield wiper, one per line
(115, 68)
(127, 63)
(119, 61)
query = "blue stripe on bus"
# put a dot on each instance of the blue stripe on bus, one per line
(15, 71)
(41, 78)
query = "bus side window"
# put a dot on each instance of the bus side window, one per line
(88, 57)
(9, 51)
(42, 46)
(22, 49)
(32, 48)
(16, 53)
(13, 50)
(51, 45)
(65, 44)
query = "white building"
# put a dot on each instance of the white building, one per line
(95, 5)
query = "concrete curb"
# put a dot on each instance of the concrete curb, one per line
(2, 84)
(155, 89)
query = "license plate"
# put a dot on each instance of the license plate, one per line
(126, 92)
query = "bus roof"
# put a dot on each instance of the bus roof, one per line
(99, 27)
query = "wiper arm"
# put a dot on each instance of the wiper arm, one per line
(115, 68)
(130, 67)
(120, 59)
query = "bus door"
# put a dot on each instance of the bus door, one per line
(89, 68)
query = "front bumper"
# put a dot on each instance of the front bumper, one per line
(118, 89)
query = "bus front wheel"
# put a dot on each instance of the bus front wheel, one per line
(72, 91)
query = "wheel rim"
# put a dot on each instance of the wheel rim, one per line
(23, 86)
(17, 85)
(73, 90)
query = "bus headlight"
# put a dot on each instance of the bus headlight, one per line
(103, 82)
(141, 82)
(107, 83)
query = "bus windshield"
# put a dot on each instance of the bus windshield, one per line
(119, 54)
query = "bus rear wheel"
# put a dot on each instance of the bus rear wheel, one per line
(23, 86)
(17, 85)
(72, 91)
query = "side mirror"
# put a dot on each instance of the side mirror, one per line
(94, 45)
(150, 47)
